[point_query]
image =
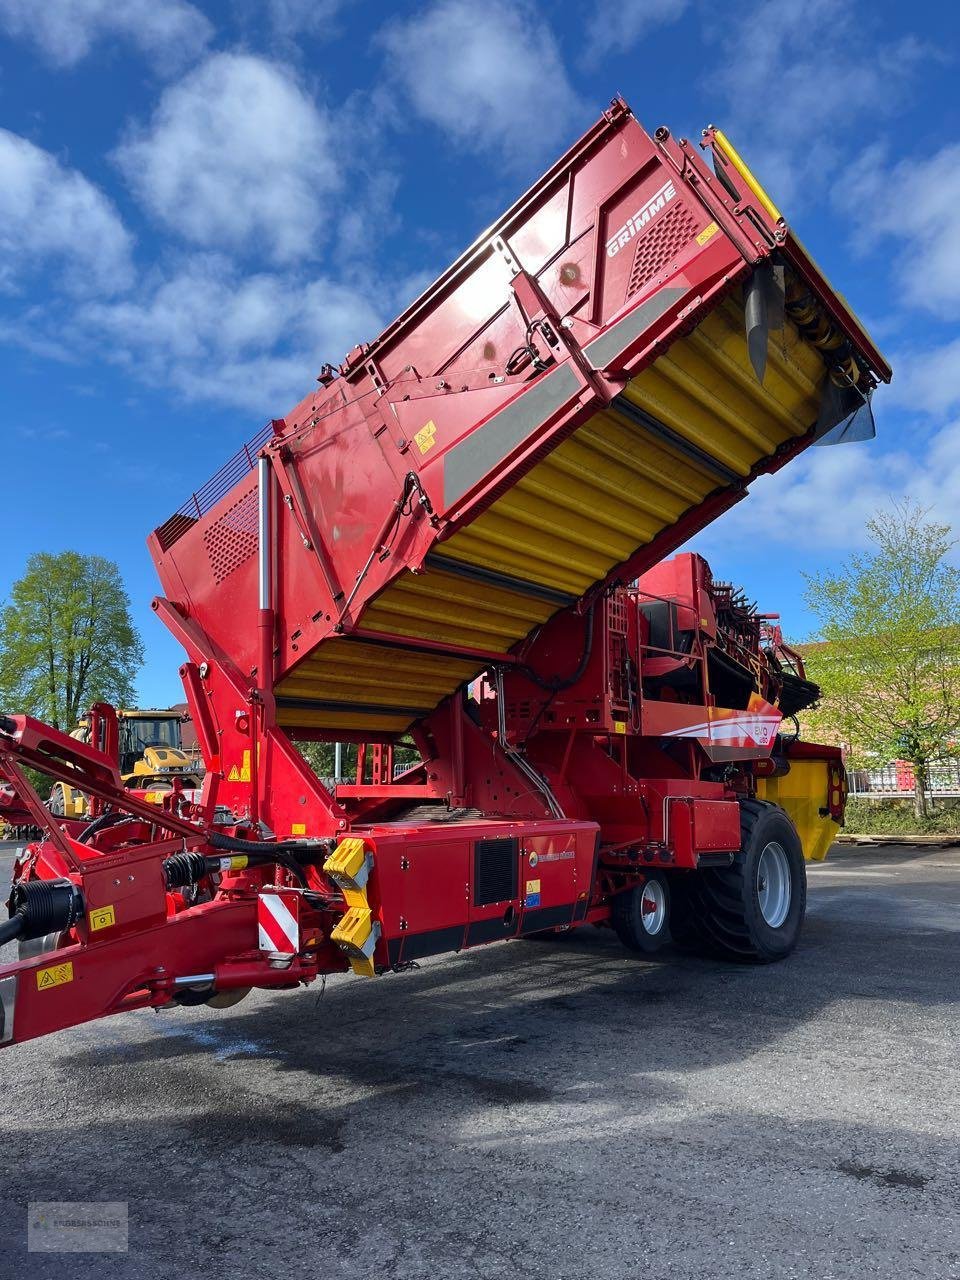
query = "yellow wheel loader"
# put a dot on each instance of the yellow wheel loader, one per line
(151, 756)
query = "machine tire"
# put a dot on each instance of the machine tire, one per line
(753, 910)
(685, 929)
(641, 915)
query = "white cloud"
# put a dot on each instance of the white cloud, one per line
(927, 380)
(492, 79)
(799, 75)
(916, 202)
(209, 333)
(53, 217)
(826, 496)
(616, 25)
(237, 156)
(65, 30)
(290, 17)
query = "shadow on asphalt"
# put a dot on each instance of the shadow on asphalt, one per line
(519, 1000)
(531, 1110)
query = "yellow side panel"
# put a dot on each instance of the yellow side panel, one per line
(607, 490)
(704, 388)
(344, 671)
(454, 610)
(293, 718)
(802, 792)
(371, 676)
(612, 487)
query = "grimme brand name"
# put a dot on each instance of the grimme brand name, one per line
(641, 218)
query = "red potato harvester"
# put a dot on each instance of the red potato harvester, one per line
(459, 539)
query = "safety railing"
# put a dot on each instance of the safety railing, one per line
(206, 497)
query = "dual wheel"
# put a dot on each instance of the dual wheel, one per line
(751, 910)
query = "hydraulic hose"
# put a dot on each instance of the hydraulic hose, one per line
(557, 685)
(293, 848)
(100, 824)
(11, 928)
(183, 869)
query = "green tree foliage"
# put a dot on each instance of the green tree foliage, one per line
(890, 664)
(67, 639)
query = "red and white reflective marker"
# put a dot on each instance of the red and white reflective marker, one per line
(278, 922)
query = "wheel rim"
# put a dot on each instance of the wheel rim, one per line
(774, 890)
(653, 907)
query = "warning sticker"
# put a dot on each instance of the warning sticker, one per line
(707, 233)
(532, 896)
(102, 918)
(426, 437)
(55, 976)
(243, 773)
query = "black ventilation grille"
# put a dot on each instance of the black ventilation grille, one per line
(495, 865)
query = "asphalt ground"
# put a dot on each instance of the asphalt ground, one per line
(531, 1110)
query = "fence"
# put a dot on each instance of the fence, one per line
(897, 779)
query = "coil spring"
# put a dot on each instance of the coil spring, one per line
(802, 308)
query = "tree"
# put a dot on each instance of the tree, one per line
(67, 639)
(890, 663)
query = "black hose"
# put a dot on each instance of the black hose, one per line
(292, 848)
(11, 928)
(105, 820)
(556, 686)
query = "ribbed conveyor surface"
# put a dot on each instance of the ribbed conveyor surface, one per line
(615, 484)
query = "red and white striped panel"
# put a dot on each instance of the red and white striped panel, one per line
(278, 922)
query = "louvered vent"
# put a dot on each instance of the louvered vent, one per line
(658, 247)
(232, 540)
(495, 866)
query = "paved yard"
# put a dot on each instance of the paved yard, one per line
(532, 1110)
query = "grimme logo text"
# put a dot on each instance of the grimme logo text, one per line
(641, 218)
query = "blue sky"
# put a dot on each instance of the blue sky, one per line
(200, 203)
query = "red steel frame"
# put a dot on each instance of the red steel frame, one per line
(342, 503)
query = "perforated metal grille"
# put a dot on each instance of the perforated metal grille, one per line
(495, 867)
(217, 487)
(232, 539)
(660, 245)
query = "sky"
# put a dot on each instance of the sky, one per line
(201, 203)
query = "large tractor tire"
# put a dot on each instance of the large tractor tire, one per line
(753, 910)
(641, 915)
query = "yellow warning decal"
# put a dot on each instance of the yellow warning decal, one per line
(426, 437)
(619, 726)
(55, 976)
(243, 773)
(707, 233)
(298, 829)
(533, 886)
(238, 862)
(102, 918)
